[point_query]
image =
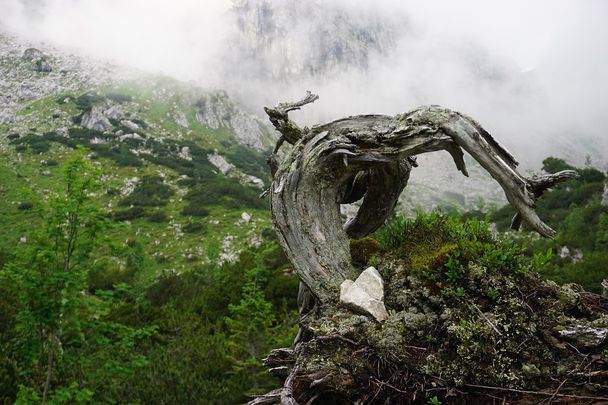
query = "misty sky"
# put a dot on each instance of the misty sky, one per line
(532, 72)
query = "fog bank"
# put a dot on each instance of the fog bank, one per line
(535, 74)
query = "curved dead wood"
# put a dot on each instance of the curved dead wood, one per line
(370, 157)
(540, 184)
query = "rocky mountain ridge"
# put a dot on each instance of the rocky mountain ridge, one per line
(288, 39)
(22, 81)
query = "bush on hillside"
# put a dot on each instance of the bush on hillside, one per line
(150, 191)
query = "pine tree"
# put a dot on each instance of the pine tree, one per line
(251, 326)
(601, 237)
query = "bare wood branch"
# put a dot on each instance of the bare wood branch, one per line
(370, 157)
(287, 107)
(540, 393)
(289, 130)
(272, 397)
(487, 320)
(539, 184)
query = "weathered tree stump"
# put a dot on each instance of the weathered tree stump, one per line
(369, 158)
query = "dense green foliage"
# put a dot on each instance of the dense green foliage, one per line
(118, 336)
(208, 188)
(225, 193)
(575, 210)
(72, 331)
(52, 320)
(140, 148)
(248, 160)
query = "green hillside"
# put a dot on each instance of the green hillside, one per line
(158, 182)
(181, 288)
(578, 210)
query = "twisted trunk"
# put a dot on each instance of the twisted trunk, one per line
(368, 158)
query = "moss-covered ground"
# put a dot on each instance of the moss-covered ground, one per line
(466, 309)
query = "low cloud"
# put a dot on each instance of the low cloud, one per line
(535, 74)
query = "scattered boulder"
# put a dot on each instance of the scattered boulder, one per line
(185, 154)
(38, 59)
(253, 181)
(228, 169)
(216, 110)
(96, 120)
(130, 136)
(181, 120)
(6, 117)
(365, 295)
(42, 66)
(115, 112)
(575, 255)
(32, 54)
(130, 124)
(220, 162)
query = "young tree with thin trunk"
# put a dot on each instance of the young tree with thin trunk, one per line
(49, 275)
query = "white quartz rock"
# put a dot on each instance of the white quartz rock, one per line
(365, 295)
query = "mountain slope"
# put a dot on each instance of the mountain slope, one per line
(182, 167)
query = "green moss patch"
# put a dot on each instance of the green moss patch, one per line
(465, 308)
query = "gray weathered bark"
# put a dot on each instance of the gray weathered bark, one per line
(340, 357)
(370, 157)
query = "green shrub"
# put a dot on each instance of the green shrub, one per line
(8, 380)
(37, 144)
(223, 192)
(574, 209)
(362, 250)
(195, 210)
(180, 165)
(249, 161)
(158, 217)
(129, 214)
(139, 122)
(105, 278)
(86, 101)
(440, 247)
(118, 97)
(51, 162)
(194, 227)
(64, 99)
(269, 234)
(25, 206)
(150, 191)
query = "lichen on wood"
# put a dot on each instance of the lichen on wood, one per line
(464, 311)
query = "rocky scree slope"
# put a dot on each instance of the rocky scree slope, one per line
(182, 167)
